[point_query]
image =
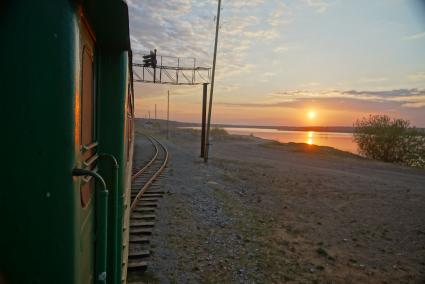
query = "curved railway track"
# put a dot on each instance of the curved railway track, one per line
(145, 195)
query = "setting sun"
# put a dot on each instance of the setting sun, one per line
(311, 114)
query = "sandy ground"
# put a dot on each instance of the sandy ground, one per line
(263, 212)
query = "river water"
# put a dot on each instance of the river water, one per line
(341, 141)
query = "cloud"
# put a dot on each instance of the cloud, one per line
(177, 28)
(417, 77)
(267, 77)
(230, 70)
(266, 34)
(310, 85)
(320, 6)
(374, 80)
(186, 28)
(415, 105)
(282, 14)
(239, 4)
(415, 36)
(230, 88)
(281, 49)
(406, 98)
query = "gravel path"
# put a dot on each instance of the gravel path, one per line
(266, 213)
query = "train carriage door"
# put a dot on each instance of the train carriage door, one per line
(88, 155)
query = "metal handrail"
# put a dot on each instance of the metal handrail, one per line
(102, 223)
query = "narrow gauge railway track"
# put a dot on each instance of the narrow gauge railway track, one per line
(145, 194)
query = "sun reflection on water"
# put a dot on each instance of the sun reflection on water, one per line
(310, 137)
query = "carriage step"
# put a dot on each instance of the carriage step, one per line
(138, 230)
(149, 204)
(138, 239)
(142, 224)
(145, 217)
(143, 209)
(139, 253)
(151, 195)
(148, 199)
(155, 192)
(138, 264)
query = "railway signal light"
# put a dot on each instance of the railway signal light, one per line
(150, 59)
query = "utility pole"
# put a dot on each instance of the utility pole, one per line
(207, 140)
(204, 118)
(149, 113)
(154, 66)
(168, 113)
(155, 111)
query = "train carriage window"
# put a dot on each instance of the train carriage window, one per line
(87, 98)
(87, 118)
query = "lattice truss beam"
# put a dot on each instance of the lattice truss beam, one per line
(171, 70)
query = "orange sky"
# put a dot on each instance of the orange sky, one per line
(188, 108)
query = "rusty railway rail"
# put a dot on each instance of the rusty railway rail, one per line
(145, 196)
(138, 172)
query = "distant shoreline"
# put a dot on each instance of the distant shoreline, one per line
(336, 129)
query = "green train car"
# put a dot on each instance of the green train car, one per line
(67, 107)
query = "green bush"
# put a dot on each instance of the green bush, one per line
(382, 138)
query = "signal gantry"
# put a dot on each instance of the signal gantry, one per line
(175, 71)
(160, 69)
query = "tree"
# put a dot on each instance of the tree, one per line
(390, 140)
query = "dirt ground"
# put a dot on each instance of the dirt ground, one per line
(263, 212)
